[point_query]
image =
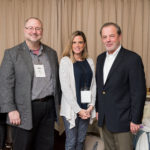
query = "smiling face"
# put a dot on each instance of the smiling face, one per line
(110, 38)
(78, 45)
(33, 30)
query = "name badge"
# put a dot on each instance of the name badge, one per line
(86, 96)
(39, 71)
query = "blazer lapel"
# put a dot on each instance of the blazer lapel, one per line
(50, 59)
(24, 52)
(101, 66)
(51, 62)
(115, 64)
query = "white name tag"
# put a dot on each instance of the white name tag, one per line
(85, 96)
(39, 71)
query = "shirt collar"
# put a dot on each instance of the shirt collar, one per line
(40, 50)
(115, 53)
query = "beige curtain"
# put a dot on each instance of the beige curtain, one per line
(62, 17)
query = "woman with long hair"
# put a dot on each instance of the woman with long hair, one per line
(77, 78)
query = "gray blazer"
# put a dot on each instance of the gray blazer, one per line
(16, 76)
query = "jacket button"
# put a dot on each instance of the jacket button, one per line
(103, 92)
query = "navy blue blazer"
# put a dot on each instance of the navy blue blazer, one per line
(121, 99)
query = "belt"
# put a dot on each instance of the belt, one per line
(43, 99)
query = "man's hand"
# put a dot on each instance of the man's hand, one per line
(14, 117)
(134, 127)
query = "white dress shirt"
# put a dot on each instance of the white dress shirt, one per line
(110, 58)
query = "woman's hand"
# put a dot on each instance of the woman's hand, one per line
(83, 114)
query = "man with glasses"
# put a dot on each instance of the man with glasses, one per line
(29, 90)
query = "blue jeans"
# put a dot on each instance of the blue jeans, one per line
(75, 137)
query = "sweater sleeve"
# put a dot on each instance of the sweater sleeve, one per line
(67, 82)
(93, 83)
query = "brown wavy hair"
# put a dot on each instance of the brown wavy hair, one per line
(68, 49)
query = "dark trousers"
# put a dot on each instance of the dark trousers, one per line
(3, 128)
(41, 137)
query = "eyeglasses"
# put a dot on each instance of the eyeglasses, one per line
(32, 28)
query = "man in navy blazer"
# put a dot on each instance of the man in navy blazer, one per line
(29, 90)
(121, 90)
